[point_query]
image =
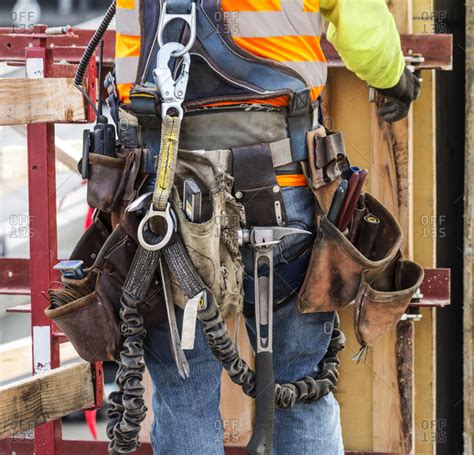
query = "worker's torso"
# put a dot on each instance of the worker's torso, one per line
(281, 34)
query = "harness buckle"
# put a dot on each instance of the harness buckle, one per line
(172, 90)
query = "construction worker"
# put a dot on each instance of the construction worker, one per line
(278, 34)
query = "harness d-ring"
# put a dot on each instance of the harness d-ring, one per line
(170, 227)
(190, 19)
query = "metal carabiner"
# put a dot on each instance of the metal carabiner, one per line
(172, 91)
(190, 19)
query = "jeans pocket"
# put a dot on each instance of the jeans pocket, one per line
(299, 204)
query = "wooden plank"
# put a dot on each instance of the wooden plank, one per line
(45, 397)
(403, 13)
(237, 409)
(25, 101)
(424, 230)
(424, 248)
(15, 358)
(348, 109)
(391, 150)
(469, 240)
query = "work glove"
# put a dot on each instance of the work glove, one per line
(399, 97)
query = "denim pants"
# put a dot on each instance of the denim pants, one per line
(186, 412)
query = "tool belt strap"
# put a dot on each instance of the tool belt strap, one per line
(167, 161)
(281, 152)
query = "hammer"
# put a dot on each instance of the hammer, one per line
(262, 240)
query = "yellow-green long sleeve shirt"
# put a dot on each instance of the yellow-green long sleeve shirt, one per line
(365, 35)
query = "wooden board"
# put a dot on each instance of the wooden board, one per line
(15, 358)
(24, 101)
(237, 409)
(348, 109)
(469, 241)
(424, 246)
(45, 397)
(391, 151)
(424, 221)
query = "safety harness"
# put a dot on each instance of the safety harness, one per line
(160, 245)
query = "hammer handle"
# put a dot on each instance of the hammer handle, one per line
(261, 441)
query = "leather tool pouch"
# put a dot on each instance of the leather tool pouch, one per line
(87, 310)
(380, 304)
(336, 266)
(213, 243)
(256, 187)
(380, 282)
(89, 322)
(327, 160)
(113, 180)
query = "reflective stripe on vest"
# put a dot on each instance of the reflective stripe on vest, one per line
(127, 45)
(286, 31)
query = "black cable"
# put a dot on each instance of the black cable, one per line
(89, 52)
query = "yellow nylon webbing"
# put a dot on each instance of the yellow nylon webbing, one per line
(166, 167)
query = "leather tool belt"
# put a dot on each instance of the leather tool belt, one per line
(340, 270)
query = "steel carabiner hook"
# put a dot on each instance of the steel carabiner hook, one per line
(172, 91)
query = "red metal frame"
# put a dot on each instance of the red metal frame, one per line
(435, 48)
(33, 276)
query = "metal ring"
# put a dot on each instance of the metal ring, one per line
(170, 227)
(190, 19)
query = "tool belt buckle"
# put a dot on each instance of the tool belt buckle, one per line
(144, 230)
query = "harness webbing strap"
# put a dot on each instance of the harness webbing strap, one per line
(167, 161)
(179, 6)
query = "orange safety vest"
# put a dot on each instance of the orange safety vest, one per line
(285, 31)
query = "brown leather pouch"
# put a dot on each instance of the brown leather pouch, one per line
(380, 304)
(327, 160)
(88, 310)
(113, 179)
(93, 239)
(336, 266)
(91, 325)
(114, 262)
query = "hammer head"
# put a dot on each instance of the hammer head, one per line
(268, 235)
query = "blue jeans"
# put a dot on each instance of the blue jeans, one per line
(186, 412)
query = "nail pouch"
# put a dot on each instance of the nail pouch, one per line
(380, 304)
(90, 325)
(336, 266)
